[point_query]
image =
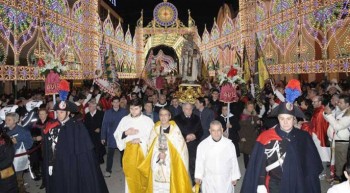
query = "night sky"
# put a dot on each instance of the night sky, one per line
(202, 11)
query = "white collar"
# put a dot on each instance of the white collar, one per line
(161, 105)
(229, 115)
(93, 113)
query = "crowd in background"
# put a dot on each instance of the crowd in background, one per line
(243, 121)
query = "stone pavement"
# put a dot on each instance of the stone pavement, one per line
(116, 182)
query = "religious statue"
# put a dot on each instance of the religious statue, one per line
(190, 61)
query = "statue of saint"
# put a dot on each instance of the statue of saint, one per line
(190, 61)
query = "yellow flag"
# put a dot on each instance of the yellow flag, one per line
(263, 73)
(246, 74)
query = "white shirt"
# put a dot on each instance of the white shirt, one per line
(217, 165)
(338, 126)
(142, 123)
(343, 187)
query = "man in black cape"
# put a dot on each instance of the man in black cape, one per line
(284, 159)
(69, 157)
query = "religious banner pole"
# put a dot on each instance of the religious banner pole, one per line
(228, 93)
(54, 103)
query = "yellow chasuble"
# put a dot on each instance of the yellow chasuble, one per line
(133, 156)
(179, 178)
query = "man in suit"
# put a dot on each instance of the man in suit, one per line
(192, 131)
(205, 114)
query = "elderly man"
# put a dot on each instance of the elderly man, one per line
(338, 131)
(19, 137)
(167, 160)
(93, 122)
(216, 164)
(132, 135)
(284, 158)
(191, 129)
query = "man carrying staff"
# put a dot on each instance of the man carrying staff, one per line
(166, 165)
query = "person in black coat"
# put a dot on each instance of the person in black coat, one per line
(215, 103)
(230, 122)
(191, 129)
(8, 180)
(36, 158)
(93, 123)
(69, 157)
(285, 159)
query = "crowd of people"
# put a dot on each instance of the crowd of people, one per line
(290, 135)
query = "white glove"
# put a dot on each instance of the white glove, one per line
(261, 189)
(50, 170)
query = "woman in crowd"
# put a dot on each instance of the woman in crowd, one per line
(249, 122)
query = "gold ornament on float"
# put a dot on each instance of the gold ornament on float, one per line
(188, 93)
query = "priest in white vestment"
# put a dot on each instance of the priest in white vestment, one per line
(166, 165)
(217, 167)
(132, 135)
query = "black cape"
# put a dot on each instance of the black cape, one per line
(301, 167)
(75, 168)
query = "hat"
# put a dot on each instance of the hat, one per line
(292, 91)
(7, 109)
(33, 104)
(64, 105)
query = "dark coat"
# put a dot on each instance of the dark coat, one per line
(206, 117)
(188, 126)
(233, 132)
(75, 168)
(248, 131)
(91, 124)
(216, 107)
(191, 125)
(236, 108)
(175, 111)
(110, 123)
(7, 153)
(301, 166)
